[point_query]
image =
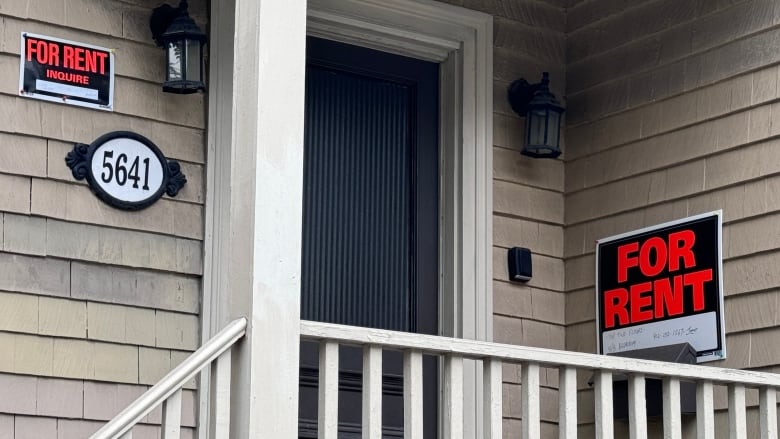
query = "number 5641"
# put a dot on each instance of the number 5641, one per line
(117, 170)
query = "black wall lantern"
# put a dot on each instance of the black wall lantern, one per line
(542, 114)
(174, 30)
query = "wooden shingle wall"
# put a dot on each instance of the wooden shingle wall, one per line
(673, 111)
(95, 303)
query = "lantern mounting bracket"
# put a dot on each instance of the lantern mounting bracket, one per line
(523, 95)
(520, 94)
(162, 17)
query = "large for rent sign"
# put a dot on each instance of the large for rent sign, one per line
(661, 286)
(65, 71)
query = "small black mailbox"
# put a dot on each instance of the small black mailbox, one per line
(676, 353)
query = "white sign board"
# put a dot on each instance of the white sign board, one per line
(57, 70)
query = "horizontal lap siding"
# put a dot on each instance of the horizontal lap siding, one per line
(96, 304)
(673, 111)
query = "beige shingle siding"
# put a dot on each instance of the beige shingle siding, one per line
(96, 304)
(672, 112)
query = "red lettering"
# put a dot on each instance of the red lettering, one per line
(54, 54)
(41, 54)
(615, 302)
(668, 297)
(625, 261)
(91, 61)
(79, 58)
(641, 306)
(31, 47)
(67, 77)
(697, 280)
(680, 247)
(646, 265)
(67, 57)
(102, 56)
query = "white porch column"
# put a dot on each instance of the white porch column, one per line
(253, 206)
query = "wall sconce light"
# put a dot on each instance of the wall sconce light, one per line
(174, 30)
(542, 114)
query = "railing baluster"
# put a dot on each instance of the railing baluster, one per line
(328, 408)
(767, 397)
(604, 417)
(567, 403)
(372, 392)
(220, 378)
(453, 397)
(672, 411)
(705, 411)
(492, 378)
(737, 415)
(637, 406)
(171, 416)
(413, 395)
(530, 401)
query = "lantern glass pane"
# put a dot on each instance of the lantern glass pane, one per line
(553, 127)
(193, 60)
(536, 127)
(175, 60)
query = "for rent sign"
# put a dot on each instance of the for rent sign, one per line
(661, 286)
(64, 71)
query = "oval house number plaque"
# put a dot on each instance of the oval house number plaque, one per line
(125, 170)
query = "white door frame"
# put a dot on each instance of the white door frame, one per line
(242, 152)
(461, 40)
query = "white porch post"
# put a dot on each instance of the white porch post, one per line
(254, 202)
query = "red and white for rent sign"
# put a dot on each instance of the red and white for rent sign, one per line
(661, 286)
(58, 70)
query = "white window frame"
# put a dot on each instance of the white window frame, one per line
(461, 40)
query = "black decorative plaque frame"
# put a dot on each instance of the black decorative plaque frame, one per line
(79, 160)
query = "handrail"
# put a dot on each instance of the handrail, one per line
(480, 350)
(173, 381)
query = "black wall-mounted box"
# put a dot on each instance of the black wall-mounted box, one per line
(520, 264)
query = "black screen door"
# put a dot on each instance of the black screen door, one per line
(370, 226)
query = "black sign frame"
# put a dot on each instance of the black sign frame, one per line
(710, 249)
(79, 160)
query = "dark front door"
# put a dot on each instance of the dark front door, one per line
(370, 226)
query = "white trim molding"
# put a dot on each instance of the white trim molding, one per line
(461, 40)
(254, 202)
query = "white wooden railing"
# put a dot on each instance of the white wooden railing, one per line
(168, 391)
(493, 355)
